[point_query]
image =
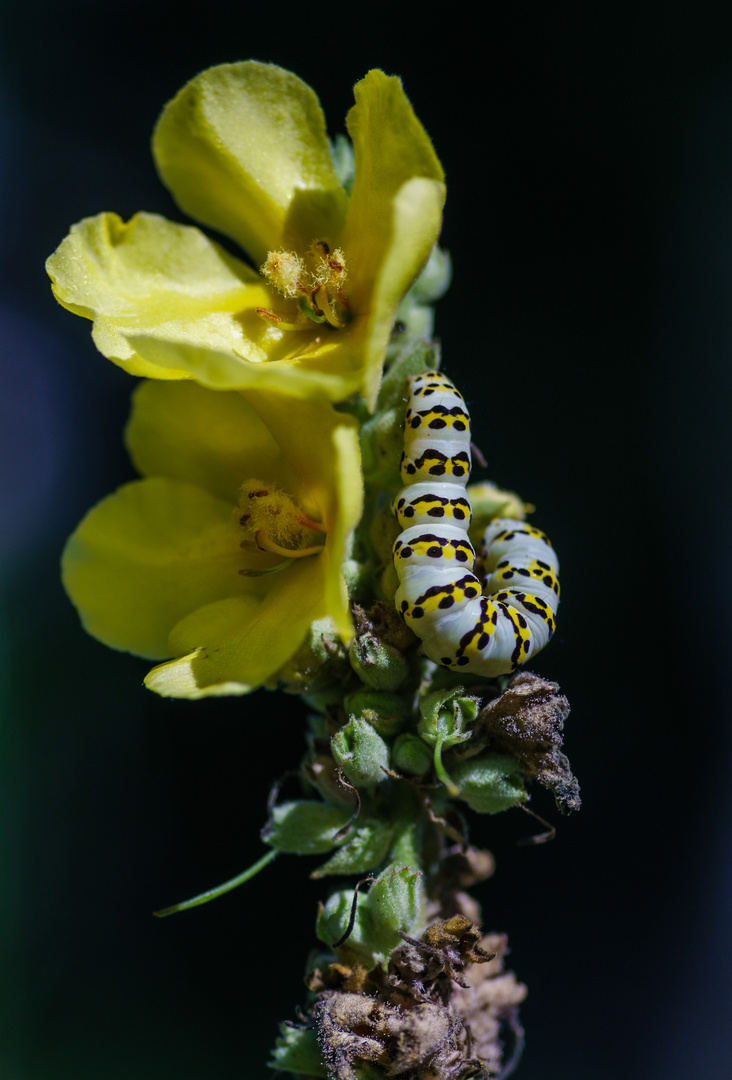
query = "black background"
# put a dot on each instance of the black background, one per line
(589, 215)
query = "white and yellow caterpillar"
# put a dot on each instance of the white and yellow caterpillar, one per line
(487, 629)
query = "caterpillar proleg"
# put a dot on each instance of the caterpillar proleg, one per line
(487, 628)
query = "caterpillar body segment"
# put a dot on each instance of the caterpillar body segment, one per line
(432, 503)
(521, 568)
(436, 432)
(486, 627)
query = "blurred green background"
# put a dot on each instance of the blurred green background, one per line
(588, 150)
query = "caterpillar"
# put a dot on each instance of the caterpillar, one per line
(490, 628)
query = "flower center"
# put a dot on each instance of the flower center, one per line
(273, 522)
(316, 282)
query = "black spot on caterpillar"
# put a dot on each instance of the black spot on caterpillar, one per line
(490, 628)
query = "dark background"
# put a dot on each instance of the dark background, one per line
(589, 215)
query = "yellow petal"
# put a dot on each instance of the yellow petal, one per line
(320, 368)
(150, 277)
(391, 147)
(235, 643)
(324, 443)
(396, 210)
(243, 148)
(147, 555)
(415, 226)
(214, 440)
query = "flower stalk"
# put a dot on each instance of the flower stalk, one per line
(257, 547)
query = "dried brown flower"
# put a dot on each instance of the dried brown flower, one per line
(416, 1024)
(489, 1004)
(526, 721)
(444, 949)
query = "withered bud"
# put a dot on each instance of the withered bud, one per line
(354, 979)
(427, 1037)
(384, 623)
(362, 1017)
(443, 949)
(489, 1006)
(526, 721)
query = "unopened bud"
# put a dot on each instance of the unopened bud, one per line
(392, 904)
(361, 752)
(387, 713)
(490, 783)
(411, 755)
(380, 666)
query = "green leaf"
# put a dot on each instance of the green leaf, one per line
(368, 847)
(305, 828)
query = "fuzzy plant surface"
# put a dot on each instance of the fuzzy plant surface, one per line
(304, 522)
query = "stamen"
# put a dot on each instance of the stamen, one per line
(265, 544)
(315, 282)
(320, 296)
(308, 523)
(266, 313)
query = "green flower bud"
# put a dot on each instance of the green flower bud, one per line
(417, 320)
(393, 903)
(410, 358)
(387, 713)
(388, 584)
(411, 755)
(380, 666)
(445, 715)
(344, 164)
(356, 575)
(305, 828)
(361, 752)
(434, 280)
(490, 783)
(334, 916)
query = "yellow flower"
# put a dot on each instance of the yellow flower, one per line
(243, 149)
(163, 567)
